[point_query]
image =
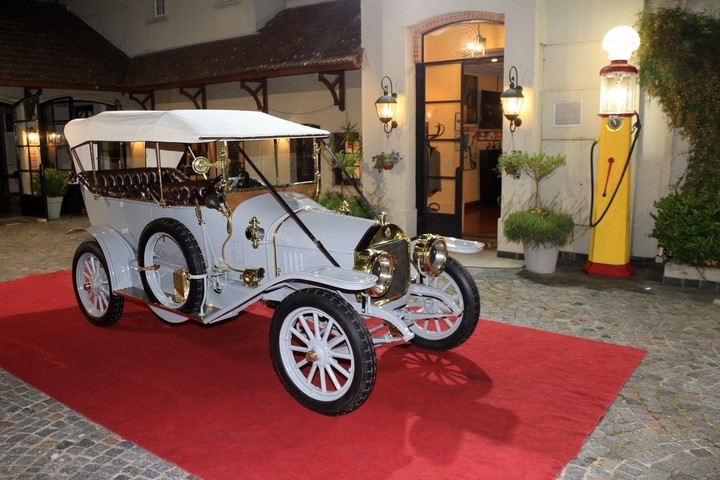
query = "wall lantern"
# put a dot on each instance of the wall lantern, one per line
(33, 137)
(512, 100)
(618, 81)
(386, 104)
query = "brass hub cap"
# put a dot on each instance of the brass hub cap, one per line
(311, 356)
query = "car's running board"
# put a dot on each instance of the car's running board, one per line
(138, 296)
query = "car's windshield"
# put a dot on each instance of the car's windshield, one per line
(251, 164)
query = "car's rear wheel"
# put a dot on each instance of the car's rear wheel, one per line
(322, 352)
(442, 330)
(92, 286)
(169, 259)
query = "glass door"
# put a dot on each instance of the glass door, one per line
(458, 85)
(27, 147)
(440, 192)
(9, 188)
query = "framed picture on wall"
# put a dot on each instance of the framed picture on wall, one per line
(490, 110)
(470, 99)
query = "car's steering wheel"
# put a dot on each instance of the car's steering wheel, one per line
(240, 180)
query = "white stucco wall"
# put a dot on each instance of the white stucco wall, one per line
(556, 47)
(131, 26)
(300, 98)
(387, 33)
(573, 56)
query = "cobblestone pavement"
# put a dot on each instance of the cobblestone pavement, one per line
(664, 424)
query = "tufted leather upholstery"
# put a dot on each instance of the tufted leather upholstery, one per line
(190, 192)
(143, 184)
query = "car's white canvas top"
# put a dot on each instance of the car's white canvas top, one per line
(183, 126)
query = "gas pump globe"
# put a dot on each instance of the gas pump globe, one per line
(609, 254)
(618, 81)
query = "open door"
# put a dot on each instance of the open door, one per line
(440, 172)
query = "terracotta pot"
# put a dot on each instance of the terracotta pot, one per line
(388, 166)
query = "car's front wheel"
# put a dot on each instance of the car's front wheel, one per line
(92, 286)
(322, 352)
(440, 328)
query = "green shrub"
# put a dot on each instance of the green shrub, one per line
(334, 201)
(538, 224)
(55, 183)
(687, 226)
(538, 166)
(539, 227)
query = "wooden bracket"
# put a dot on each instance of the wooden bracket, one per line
(148, 99)
(199, 93)
(336, 87)
(28, 91)
(260, 87)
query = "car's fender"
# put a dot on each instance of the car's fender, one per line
(119, 256)
(458, 245)
(331, 278)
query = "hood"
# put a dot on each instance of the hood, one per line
(339, 233)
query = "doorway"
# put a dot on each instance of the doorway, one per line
(459, 122)
(9, 184)
(34, 140)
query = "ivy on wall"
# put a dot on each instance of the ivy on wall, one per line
(679, 62)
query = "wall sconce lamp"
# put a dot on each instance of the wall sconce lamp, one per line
(512, 100)
(386, 104)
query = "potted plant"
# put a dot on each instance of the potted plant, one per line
(348, 152)
(541, 228)
(386, 161)
(55, 187)
(350, 162)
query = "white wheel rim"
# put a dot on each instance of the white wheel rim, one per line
(444, 323)
(93, 286)
(162, 250)
(316, 354)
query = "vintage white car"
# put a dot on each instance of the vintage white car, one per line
(229, 231)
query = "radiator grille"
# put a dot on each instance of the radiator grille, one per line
(399, 250)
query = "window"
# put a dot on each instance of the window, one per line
(159, 8)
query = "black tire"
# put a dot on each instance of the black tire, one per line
(444, 332)
(304, 352)
(93, 287)
(169, 244)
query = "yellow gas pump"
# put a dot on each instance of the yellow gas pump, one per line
(610, 236)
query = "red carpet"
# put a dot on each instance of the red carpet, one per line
(512, 403)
